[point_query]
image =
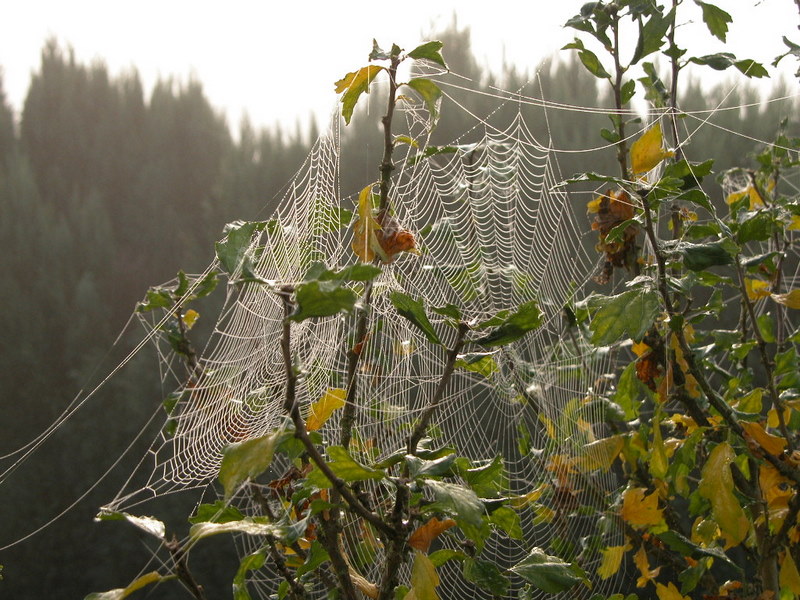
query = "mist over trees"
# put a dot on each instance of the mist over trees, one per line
(106, 190)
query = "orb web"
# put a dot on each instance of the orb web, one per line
(495, 229)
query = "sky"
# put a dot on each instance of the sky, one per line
(276, 61)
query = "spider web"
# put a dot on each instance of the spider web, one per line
(495, 230)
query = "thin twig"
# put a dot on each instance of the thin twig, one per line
(181, 568)
(449, 367)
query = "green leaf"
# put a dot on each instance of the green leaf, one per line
(149, 525)
(463, 505)
(219, 512)
(548, 573)
(136, 584)
(698, 257)
(414, 311)
(655, 90)
(316, 556)
(440, 557)
(754, 227)
(429, 51)
(751, 68)
(258, 526)
(630, 391)
(322, 299)
(418, 467)
(450, 310)
(430, 94)
(251, 562)
(482, 363)
(344, 467)
(685, 547)
(232, 251)
(486, 575)
(507, 519)
(353, 85)
(378, 53)
(718, 62)
(715, 19)
(526, 318)
(631, 313)
(487, 480)
(355, 272)
(652, 34)
(627, 91)
(246, 460)
(593, 64)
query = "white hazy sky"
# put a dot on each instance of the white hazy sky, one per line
(277, 60)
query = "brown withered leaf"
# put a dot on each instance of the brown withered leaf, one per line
(611, 209)
(423, 536)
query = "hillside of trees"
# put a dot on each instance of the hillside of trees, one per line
(106, 190)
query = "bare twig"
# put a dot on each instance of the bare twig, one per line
(422, 424)
(181, 568)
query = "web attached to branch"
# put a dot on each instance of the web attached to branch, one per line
(495, 230)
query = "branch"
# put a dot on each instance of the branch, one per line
(422, 424)
(353, 358)
(622, 146)
(354, 354)
(766, 361)
(291, 407)
(181, 568)
(388, 143)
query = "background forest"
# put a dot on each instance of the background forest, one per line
(105, 191)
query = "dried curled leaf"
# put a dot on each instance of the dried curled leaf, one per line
(425, 534)
(612, 209)
(382, 235)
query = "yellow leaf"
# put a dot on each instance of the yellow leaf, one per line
(704, 531)
(365, 242)
(771, 443)
(611, 561)
(640, 510)
(424, 578)
(423, 536)
(530, 497)
(600, 454)
(772, 417)
(789, 577)
(658, 454)
(751, 402)
(669, 592)
(790, 299)
(738, 195)
(716, 485)
(594, 205)
(322, 409)
(641, 562)
(795, 224)
(756, 288)
(548, 425)
(648, 150)
(640, 349)
(776, 488)
(190, 318)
